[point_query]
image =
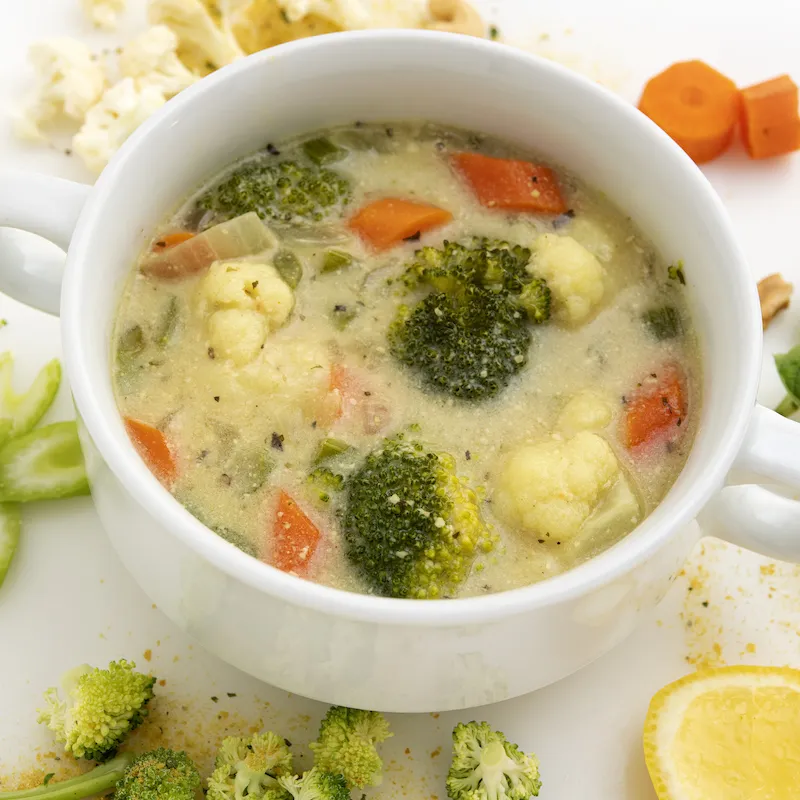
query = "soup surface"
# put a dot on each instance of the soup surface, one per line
(408, 360)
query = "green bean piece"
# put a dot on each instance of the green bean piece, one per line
(45, 464)
(10, 524)
(169, 322)
(323, 151)
(336, 259)
(329, 448)
(289, 267)
(663, 323)
(131, 343)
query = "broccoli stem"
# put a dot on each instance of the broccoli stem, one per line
(94, 782)
(787, 406)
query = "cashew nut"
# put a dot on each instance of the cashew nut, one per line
(774, 293)
(455, 16)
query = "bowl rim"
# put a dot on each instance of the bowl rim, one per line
(122, 459)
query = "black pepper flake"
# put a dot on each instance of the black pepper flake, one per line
(272, 150)
(534, 179)
(277, 441)
(68, 152)
(467, 455)
(624, 400)
(705, 603)
(231, 694)
(161, 243)
(367, 394)
(390, 132)
(558, 543)
(216, 398)
(255, 284)
(357, 124)
(541, 541)
(287, 742)
(202, 455)
(226, 479)
(665, 401)
(486, 587)
(314, 424)
(570, 212)
(211, 354)
(414, 237)
(679, 422)
(215, 699)
(340, 307)
(653, 375)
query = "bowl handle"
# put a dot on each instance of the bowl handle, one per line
(48, 207)
(755, 517)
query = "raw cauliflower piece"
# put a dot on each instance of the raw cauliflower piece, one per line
(200, 38)
(123, 108)
(585, 411)
(550, 489)
(150, 59)
(104, 13)
(361, 14)
(248, 285)
(70, 82)
(574, 275)
(237, 334)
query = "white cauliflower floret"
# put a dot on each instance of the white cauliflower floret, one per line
(360, 14)
(197, 32)
(248, 285)
(70, 82)
(593, 237)
(150, 59)
(123, 108)
(574, 275)
(549, 489)
(237, 334)
(104, 13)
(585, 411)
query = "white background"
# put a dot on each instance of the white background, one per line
(68, 600)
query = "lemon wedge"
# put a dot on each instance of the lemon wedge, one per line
(726, 734)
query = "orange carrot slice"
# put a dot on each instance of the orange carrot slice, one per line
(154, 450)
(656, 411)
(294, 536)
(696, 105)
(511, 185)
(386, 222)
(770, 120)
(171, 240)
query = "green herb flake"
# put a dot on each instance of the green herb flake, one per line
(675, 273)
(48, 778)
(494, 33)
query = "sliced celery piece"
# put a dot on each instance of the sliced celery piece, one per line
(9, 536)
(24, 410)
(45, 464)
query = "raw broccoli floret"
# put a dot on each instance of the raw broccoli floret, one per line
(100, 708)
(410, 525)
(486, 766)
(483, 262)
(468, 345)
(316, 785)
(283, 192)
(248, 767)
(158, 775)
(346, 745)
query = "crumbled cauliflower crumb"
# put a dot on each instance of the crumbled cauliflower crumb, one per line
(574, 275)
(198, 34)
(585, 411)
(104, 13)
(361, 14)
(122, 109)
(150, 59)
(70, 82)
(549, 489)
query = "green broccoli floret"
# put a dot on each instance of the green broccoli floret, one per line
(346, 745)
(316, 785)
(468, 345)
(410, 525)
(324, 481)
(483, 262)
(249, 767)
(486, 766)
(284, 192)
(101, 707)
(535, 298)
(158, 775)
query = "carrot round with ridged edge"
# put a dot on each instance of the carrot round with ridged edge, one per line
(510, 185)
(388, 221)
(152, 446)
(696, 106)
(294, 536)
(770, 118)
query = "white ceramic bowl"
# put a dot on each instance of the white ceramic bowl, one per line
(400, 655)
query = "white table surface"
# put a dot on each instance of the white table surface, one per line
(68, 600)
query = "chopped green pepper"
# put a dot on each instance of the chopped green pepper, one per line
(336, 259)
(289, 267)
(323, 151)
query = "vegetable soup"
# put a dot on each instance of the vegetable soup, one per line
(408, 360)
